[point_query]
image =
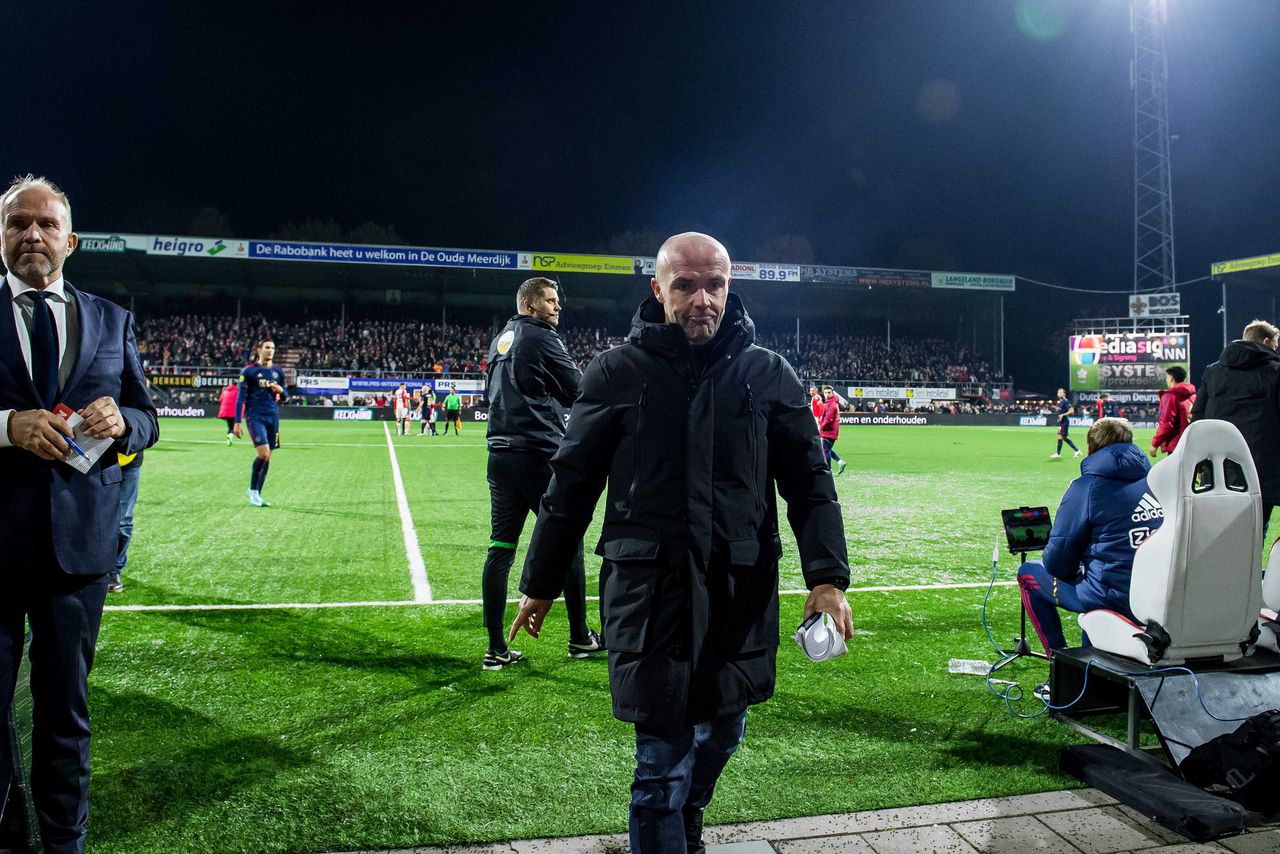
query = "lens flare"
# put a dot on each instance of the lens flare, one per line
(1042, 19)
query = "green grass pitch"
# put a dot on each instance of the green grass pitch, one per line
(360, 727)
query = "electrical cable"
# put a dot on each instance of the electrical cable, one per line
(1012, 691)
(1117, 293)
(995, 569)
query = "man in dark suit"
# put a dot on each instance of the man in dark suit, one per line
(58, 526)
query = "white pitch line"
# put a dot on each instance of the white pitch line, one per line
(399, 603)
(417, 569)
(450, 446)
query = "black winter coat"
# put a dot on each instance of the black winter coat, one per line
(1243, 387)
(692, 446)
(531, 384)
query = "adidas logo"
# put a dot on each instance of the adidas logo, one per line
(1148, 508)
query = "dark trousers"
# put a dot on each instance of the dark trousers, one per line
(1042, 596)
(65, 613)
(675, 777)
(517, 481)
(129, 476)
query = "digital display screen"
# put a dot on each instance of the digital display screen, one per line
(1026, 528)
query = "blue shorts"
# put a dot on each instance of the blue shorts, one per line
(265, 431)
(1063, 427)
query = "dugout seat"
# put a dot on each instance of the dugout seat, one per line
(1196, 589)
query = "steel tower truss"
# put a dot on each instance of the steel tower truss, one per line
(1153, 258)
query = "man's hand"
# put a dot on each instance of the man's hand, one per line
(40, 432)
(238, 430)
(831, 600)
(276, 388)
(102, 419)
(1153, 452)
(532, 613)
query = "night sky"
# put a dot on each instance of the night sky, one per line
(982, 135)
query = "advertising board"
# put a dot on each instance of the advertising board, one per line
(1126, 361)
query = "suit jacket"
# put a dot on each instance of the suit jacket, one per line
(82, 509)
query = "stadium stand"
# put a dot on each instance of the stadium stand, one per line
(420, 347)
(196, 343)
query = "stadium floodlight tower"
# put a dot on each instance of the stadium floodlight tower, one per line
(1153, 258)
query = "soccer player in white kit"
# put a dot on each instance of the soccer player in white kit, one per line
(402, 402)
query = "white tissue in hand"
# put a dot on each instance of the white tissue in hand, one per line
(820, 640)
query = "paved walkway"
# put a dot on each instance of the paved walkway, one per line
(1083, 821)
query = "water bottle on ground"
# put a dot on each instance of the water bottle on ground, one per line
(968, 665)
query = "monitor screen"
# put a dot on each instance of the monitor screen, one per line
(1026, 528)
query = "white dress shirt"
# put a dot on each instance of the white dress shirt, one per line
(58, 307)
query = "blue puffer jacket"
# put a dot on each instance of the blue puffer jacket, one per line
(1105, 515)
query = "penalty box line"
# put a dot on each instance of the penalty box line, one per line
(412, 550)
(399, 603)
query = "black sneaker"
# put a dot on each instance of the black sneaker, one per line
(498, 660)
(1041, 692)
(593, 643)
(114, 584)
(693, 832)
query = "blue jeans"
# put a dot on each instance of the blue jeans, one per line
(676, 774)
(128, 498)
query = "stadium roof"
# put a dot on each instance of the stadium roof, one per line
(160, 267)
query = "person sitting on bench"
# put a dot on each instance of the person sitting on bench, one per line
(1104, 516)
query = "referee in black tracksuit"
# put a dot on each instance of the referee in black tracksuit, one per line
(532, 382)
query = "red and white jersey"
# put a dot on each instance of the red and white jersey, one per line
(400, 400)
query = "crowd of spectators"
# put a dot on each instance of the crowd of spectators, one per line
(410, 346)
(388, 345)
(194, 339)
(873, 359)
(181, 342)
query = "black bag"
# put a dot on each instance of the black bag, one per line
(1155, 791)
(1246, 762)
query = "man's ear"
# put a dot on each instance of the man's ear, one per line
(657, 291)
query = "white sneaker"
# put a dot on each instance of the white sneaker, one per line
(1076, 455)
(1055, 456)
(254, 498)
(840, 464)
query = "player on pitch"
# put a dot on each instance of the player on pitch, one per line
(261, 390)
(1065, 409)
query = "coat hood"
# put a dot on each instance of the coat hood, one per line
(650, 330)
(1123, 461)
(1182, 391)
(1243, 355)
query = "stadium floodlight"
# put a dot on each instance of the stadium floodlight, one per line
(1153, 250)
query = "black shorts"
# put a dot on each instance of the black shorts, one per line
(452, 414)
